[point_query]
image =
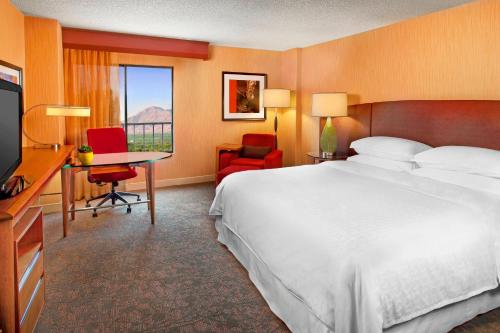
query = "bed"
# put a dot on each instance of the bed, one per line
(346, 247)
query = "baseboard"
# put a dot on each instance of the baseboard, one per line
(55, 207)
(141, 186)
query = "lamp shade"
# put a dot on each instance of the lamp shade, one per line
(276, 98)
(68, 111)
(329, 105)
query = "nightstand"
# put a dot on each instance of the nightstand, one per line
(317, 158)
(223, 148)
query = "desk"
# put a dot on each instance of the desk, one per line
(21, 242)
(145, 160)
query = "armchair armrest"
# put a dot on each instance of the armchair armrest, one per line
(274, 159)
(225, 158)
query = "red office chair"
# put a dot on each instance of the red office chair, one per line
(110, 140)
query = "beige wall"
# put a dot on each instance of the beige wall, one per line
(452, 54)
(198, 125)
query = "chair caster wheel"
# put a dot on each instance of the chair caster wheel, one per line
(138, 199)
(129, 210)
(87, 205)
(94, 214)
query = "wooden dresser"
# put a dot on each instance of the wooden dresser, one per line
(22, 278)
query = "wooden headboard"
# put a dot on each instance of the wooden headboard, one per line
(436, 123)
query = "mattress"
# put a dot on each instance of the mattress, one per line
(362, 248)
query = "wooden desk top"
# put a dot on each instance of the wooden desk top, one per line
(38, 166)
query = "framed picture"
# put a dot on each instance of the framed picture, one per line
(243, 96)
(11, 73)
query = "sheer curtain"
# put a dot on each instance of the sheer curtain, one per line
(90, 79)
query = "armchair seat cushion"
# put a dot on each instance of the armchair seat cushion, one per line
(232, 169)
(253, 162)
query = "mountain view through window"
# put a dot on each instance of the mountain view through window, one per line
(146, 107)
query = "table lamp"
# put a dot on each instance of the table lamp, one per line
(329, 105)
(276, 98)
(55, 110)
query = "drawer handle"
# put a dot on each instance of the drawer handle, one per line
(29, 269)
(39, 284)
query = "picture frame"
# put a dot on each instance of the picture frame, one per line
(11, 73)
(243, 96)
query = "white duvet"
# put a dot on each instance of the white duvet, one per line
(365, 248)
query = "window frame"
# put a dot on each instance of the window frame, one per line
(124, 66)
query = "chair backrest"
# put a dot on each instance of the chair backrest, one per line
(261, 140)
(107, 140)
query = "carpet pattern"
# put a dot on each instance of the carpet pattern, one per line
(118, 273)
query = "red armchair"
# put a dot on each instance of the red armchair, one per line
(274, 159)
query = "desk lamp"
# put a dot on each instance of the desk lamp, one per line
(55, 110)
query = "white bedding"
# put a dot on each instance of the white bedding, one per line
(364, 248)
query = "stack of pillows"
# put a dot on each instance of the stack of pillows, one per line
(471, 167)
(387, 152)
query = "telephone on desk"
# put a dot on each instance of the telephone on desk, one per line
(13, 186)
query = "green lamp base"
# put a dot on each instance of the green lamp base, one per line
(328, 140)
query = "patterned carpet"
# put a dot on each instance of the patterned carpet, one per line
(118, 273)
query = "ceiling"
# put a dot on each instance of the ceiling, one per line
(261, 24)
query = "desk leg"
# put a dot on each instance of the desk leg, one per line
(145, 166)
(150, 169)
(72, 194)
(65, 184)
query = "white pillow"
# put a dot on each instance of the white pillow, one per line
(475, 182)
(388, 147)
(473, 160)
(382, 162)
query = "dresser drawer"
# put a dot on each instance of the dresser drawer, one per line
(29, 281)
(30, 317)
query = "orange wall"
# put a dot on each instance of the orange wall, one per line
(11, 34)
(291, 62)
(44, 77)
(197, 108)
(44, 85)
(452, 54)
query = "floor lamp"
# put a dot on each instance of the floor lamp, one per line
(276, 98)
(54, 110)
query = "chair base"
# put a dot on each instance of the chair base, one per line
(113, 196)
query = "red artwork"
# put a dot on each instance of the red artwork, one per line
(242, 98)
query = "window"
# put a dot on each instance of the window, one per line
(146, 107)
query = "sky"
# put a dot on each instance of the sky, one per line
(146, 86)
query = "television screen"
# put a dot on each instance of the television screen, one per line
(10, 129)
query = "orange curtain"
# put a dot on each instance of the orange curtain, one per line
(90, 79)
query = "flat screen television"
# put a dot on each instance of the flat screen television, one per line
(11, 112)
